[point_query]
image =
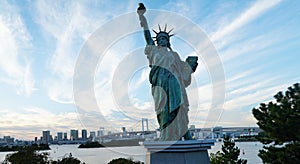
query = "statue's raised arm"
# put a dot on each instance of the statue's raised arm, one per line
(141, 10)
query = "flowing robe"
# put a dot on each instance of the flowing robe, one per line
(169, 77)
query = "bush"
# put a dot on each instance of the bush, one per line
(124, 161)
(230, 154)
(28, 155)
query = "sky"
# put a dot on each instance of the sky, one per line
(81, 64)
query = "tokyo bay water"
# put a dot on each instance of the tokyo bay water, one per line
(138, 153)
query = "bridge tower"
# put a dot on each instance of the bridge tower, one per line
(143, 127)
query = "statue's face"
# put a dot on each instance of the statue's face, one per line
(162, 41)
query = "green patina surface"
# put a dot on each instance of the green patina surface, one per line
(169, 77)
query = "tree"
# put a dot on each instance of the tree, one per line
(280, 122)
(27, 155)
(229, 155)
(67, 160)
(124, 161)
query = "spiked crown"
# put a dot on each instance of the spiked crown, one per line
(163, 33)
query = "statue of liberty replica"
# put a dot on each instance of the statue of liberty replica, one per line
(169, 76)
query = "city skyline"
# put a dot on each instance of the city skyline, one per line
(257, 41)
(49, 136)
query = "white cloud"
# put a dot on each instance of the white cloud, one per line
(249, 47)
(13, 53)
(188, 8)
(28, 84)
(246, 90)
(33, 120)
(256, 10)
(143, 78)
(60, 90)
(260, 94)
(234, 118)
(69, 25)
(179, 7)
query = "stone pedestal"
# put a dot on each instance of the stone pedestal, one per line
(178, 152)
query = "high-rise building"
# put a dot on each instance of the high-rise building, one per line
(59, 136)
(65, 136)
(8, 139)
(46, 137)
(84, 134)
(74, 135)
(124, 129)
(92, 135)
(100, 132)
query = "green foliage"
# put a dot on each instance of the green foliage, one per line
(124, 161)
(229, 154)
(28, 155)
(67, 160)
(280, 121)
(288, 154)
(90, 145)
(17, 148)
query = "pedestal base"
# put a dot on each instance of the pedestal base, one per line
(178, 152)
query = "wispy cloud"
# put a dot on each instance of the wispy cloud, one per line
(253, 95)
(256, 10)
(15, 39)
(70, 26)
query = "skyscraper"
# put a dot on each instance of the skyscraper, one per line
(92, 135)
(59, 136)
(46, 137)
(65, 136)
(124, 129)
(100, 132)
(8, 139)
(74, 134)
(84, 134)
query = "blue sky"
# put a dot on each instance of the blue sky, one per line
(257, 42)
